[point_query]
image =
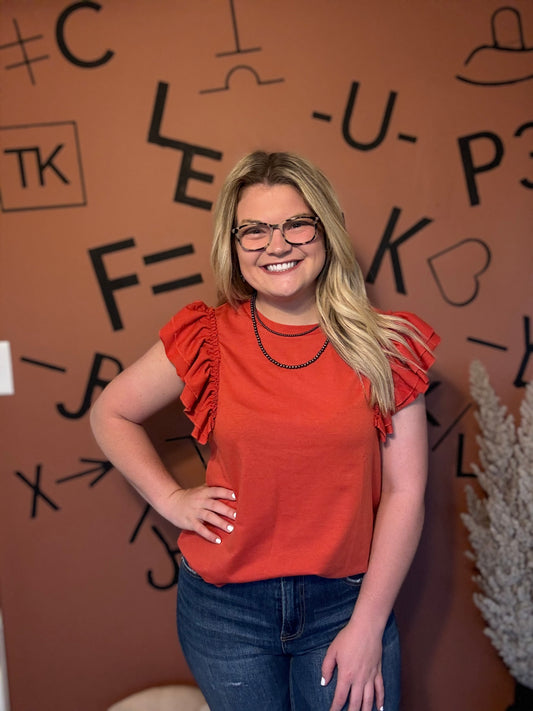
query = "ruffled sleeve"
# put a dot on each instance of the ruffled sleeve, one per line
(191, 344)
(410, 379)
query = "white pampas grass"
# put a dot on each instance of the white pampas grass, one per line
(500, 525)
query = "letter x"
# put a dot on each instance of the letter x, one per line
(37, 491)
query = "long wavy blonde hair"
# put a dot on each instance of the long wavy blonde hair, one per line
(363, 337)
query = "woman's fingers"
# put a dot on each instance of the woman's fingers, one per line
(214, 519)
(367, 703)
(379, 689)
(203, 508)
(219, 492)
(218, 495)
(202, 530)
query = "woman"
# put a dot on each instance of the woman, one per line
(312, 403)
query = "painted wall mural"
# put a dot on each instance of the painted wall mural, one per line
(119, 123)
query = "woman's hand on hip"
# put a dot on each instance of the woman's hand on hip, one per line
(357, 657)
(192, 509)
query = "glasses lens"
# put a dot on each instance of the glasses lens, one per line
(299, 229)
(254, 236)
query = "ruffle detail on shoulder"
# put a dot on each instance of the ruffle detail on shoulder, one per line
(410, 379)
(191, 344)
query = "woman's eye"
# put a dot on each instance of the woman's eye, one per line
(253, 230)
(297, 224)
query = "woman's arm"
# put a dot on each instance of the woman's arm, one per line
(357, 648)
(116, 420)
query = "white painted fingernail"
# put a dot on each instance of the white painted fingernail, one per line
(233, 495)
(229, 528)
(381, 708)
(234, 514)
(322, 682)
(218, 540)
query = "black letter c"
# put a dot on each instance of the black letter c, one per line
(60, 36)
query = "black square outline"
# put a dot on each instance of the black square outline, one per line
(80, 168)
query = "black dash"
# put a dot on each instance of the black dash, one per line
(321, 117)
(486, 343)
(168, 254)
(40, 363)
(450, 428)
(405, 137)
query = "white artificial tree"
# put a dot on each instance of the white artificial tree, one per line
(500, 525)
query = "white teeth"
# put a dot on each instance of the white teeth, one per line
(280, 267)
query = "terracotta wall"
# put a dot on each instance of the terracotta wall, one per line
(119, 122)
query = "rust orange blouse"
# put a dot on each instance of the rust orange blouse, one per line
(300, 448)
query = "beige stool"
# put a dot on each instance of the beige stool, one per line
(179, 697)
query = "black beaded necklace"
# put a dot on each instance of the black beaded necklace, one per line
(278, 333)
(255, 317)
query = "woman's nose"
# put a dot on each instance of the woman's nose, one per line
(278, 245)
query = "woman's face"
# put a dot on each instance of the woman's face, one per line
(283, 275)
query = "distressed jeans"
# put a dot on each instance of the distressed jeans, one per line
(259, 646)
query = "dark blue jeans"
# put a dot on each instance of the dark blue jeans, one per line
(259, 646)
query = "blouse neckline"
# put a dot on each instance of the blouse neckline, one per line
(284, 328)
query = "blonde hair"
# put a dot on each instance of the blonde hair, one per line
(363, 337)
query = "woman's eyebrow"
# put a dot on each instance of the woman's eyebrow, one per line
(246, 220)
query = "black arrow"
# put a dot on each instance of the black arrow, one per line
(103, 466)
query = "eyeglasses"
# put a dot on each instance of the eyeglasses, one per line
(256, 236)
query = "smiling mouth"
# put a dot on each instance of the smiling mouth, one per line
(281, 267)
